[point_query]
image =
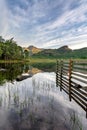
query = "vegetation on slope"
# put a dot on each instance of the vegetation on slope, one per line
(9, 50)
(62, 53)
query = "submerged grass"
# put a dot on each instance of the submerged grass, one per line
(26, 104)
(75, 122)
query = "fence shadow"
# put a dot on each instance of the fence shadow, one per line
(71, 76)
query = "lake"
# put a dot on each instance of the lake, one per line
(30, 100)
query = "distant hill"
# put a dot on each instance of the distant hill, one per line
(64, 49)
(80, 53)
(34, 49)
(62, 52)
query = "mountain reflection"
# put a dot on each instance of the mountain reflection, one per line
(10, 72)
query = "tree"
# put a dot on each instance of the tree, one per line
(10, 50)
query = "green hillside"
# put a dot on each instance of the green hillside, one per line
(9, 50)
(63, 52)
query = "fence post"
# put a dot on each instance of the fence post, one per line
(70, 76)
(57, 71)
(61, 73)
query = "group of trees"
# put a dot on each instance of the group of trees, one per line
(10, 50)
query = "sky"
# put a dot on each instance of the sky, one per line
(45, 23)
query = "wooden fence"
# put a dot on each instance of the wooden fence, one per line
(71, 76)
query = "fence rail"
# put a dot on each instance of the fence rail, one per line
(71, 77)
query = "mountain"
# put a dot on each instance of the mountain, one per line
(34, 49)
(64, 49)
(62, 52)
(53, 53)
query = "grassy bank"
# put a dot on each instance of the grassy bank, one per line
(39, 60)
(31, 60)
(12, 61)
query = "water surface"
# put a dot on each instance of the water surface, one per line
(35, 103)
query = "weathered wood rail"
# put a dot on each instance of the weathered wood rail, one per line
(71, 76)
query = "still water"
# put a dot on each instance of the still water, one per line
(30, 100)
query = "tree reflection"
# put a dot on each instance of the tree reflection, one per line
(9, 72)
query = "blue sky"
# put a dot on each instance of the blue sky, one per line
(45, 23)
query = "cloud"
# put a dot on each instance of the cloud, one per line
(72, 42)
(70, 17)
(3, 18)
(72, 21)
(47, 23)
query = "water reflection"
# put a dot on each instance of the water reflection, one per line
(10, 72)
(36, 104)
(29, 105)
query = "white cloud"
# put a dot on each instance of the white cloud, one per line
(27, 26)
(78, 45)
(70, 17)
(3, 17)
(73, 42)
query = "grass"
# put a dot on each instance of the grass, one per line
(44, 60)
(11, 61)
(30, 60)
(39, 60)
